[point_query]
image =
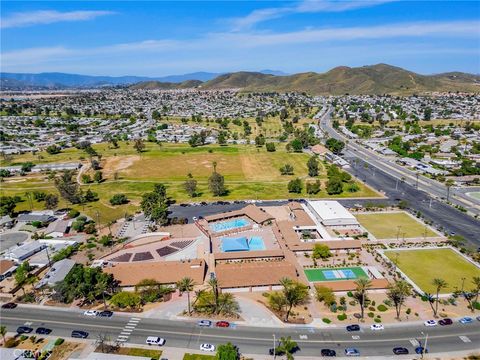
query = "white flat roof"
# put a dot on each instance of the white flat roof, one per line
(331, 210)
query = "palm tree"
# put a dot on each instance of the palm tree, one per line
(287, 346)
(476, 283)
(3, 332)
(363, 284)
(213, 283)
(101, 288)
(186, 284)
(439, 285)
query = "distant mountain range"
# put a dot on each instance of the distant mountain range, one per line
(374, 79)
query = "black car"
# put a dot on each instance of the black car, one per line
(276, 352)
(79, 334)
(400, 351)
(353, 327)
(9, 305)
(328, 353)
(24, 330)
(43, 331)
(445, 321)
(105, 313)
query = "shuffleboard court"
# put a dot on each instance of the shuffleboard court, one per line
(335, 274)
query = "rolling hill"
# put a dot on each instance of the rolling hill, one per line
(375, 79)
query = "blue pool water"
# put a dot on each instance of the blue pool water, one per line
(256, 243)
(229, 225)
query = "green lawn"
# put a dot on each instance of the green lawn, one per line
(314, 275)
(389, 225)
(197, 357)
(250, 173)
(475, 195)
(423, 265)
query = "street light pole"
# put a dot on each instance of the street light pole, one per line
(274, 344)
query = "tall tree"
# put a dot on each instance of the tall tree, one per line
(227, 351)
(68, 187)
(287, 347)
(216, 184)
(3, 332)
(190, 186)
(312, 165)
(398, 292)
(186, 284)
(155, 204)
(295, 294)
(362, 286)
(439, 285)
(139, 145)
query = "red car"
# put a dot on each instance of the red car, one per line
(223, 324)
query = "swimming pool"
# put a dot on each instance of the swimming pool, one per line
(229, 225)
(256, 243)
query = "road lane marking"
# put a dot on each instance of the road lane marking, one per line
(267, 339)
(355, 337)
(303, 337)
(414, 342)
(465, 339)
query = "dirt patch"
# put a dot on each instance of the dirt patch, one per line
(64, 350)
(118, 163)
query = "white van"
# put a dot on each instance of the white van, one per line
(155, 340)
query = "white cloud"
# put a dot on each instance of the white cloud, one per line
(48, 17)
(306, 6)
(226, 47)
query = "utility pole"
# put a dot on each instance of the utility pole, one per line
(274, 344)
(396, 185)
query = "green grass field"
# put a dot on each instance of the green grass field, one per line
(423, 265)
(198, 357)
(250, 173)
(315, 275)
(389, 225)
(475, 195)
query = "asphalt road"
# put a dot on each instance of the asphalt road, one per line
(381, 162)
(250, 340)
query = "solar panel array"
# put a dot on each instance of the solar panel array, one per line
(167, 250)
(181, 244)
(122, 258)
(142, 256)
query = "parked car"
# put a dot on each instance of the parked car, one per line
(155, 340)
(9, 305)
(421, 350)
(43, 331)
(79, 334)
(91, 313)
(466, 320)
(328, 353)
(430, 323)
(377, 327)
(353, 327)
(400, 351)
(352, 352)
(276, 352)
(207, 347)
(204, 323)
(24, 330)
(478, 318)
(445, 321)
(105, 313)
(224, 324)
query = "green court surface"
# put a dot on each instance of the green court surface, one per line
(424, 265)
(335, 274)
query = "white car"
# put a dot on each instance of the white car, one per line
(91, 313)
(155, 340)
(430, 323)
(207, 347)
(376, 327)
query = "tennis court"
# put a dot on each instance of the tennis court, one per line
(337, 274)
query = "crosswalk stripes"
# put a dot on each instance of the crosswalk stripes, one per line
(128, 329)
(414, 342)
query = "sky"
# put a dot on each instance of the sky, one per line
(157, 38)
